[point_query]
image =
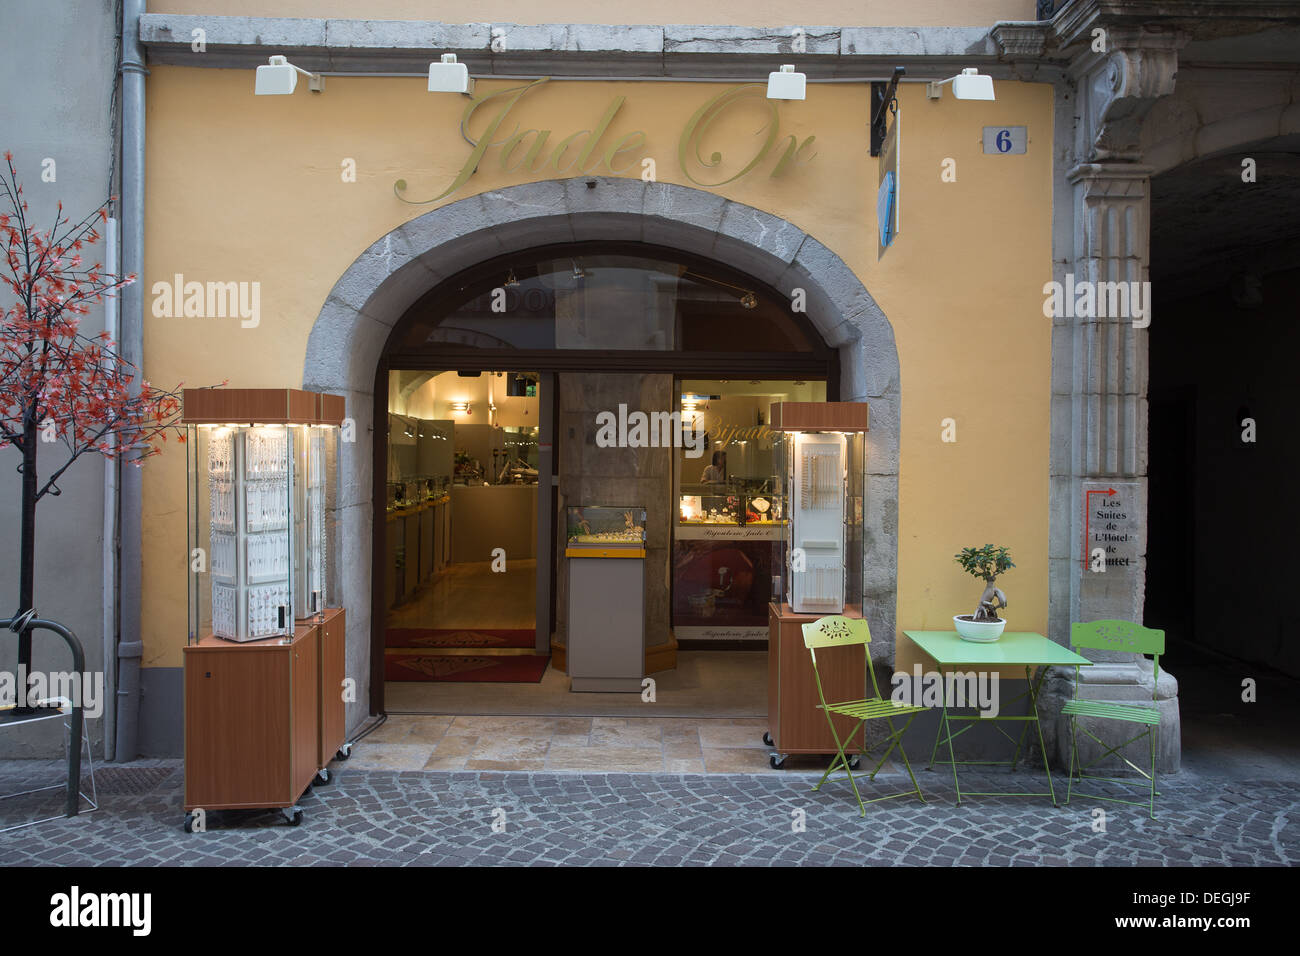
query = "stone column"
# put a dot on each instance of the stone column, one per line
(1099, 387)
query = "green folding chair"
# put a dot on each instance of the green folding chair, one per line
(839, 631)
(1116, 636)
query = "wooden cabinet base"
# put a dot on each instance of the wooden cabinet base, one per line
(795, 722)
(332, 720)
(251, 719)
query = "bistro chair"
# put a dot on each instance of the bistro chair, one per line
(1116, 636)
(836, 631)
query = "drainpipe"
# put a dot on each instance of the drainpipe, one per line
(109, 621)
(131, 347)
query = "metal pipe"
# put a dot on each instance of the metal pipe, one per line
(131, 348)
(109, 588)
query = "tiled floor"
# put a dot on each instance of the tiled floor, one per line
(603, 744)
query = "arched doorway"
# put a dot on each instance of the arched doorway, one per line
(358, 319)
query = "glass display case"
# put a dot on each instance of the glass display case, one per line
(259, 540)
(820, 481)
(606, 526)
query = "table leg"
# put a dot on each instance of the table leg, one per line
(1038, 723)
(947, 729)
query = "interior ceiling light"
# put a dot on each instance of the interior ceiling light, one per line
(448, 76)
(577, 271)
(749, 300)
(280, 78)
(786, 84)
(969, 84)
(511, 281)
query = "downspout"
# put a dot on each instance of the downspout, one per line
(109, 621)
(130, 648)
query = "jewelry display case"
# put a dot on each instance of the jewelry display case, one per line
(260, 547)
(265, 661)
(603, 526)
(819, 455)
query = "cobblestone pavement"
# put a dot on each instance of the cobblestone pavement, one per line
(422, 818)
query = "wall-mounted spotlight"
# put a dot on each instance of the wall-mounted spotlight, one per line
(280, 78)
(461, 408)
(449, 76)
(969, 84)
(786, 84)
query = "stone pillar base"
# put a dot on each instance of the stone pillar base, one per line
(1120, 682)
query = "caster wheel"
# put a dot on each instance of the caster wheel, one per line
(777, 761)
(292, 815)
(854, 761)
(296, 819)
(343, 752)
(189, 823)
(322, 778)
(767, 739)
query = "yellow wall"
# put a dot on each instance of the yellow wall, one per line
(249, 189)
(758, 13)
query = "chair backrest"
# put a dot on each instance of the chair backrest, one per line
(1117, 636)
(1112, 635)
(838, 631)
(835, 631)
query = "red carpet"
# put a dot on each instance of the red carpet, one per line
(511, 669)
(458, 637)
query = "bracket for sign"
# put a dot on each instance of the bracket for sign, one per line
(883, 102)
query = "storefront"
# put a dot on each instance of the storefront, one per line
(482, 279)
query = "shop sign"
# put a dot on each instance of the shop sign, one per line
(588, 151)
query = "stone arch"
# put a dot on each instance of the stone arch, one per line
(358, 315)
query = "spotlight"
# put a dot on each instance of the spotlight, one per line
(450, 76)
(280, 78)
(970, 84)
(786, 84)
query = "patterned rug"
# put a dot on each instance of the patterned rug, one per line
(503, 669)
(458, 637)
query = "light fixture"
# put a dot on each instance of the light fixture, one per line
(511, 281)
(450, 76)
(280, 78)
(749, 300)
(577, 271)
(786, 84)
(461, 407)
(969, 84)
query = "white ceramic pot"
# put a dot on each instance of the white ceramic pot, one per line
(981, 632)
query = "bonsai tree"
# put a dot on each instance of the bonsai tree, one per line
(62, 393)
(986, 563)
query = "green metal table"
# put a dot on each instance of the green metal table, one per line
(1014, 649)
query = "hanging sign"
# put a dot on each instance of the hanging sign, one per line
(887, 219)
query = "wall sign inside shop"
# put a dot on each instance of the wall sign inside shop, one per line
(1111, 528)
(588, 151)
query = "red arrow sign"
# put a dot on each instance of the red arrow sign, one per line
(1087, 514)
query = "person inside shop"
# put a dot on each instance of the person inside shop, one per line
(716, 472)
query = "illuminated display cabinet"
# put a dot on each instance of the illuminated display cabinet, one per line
(819, 455)
(265, 659)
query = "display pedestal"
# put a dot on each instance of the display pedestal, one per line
(795, 721)
(606, 646)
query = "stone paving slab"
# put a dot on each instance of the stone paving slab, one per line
(392, 818)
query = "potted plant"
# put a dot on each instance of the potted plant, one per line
(986, 563)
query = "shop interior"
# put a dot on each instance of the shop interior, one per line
(465, 602)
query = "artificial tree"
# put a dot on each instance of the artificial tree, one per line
(60, 389)
(986, 563)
